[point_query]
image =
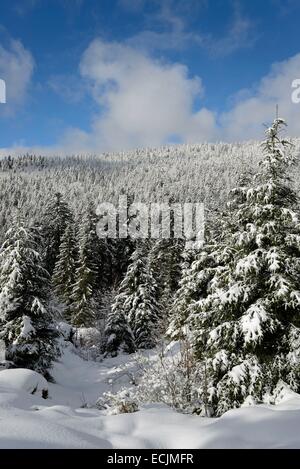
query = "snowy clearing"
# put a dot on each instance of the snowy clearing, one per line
(28, 421)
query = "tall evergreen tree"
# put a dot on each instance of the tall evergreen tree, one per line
(56, 218)
(90, 246)
(27, 326)
(198, 270)
(83, 306)
(246, 330)
(100, 251)
(165, 263)
(122, 248)
(137, 300)
(63, 278)
(196, 277)
(118, 336)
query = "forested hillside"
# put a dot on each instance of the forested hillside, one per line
(202, 173)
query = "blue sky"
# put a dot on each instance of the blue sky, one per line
(87, 75)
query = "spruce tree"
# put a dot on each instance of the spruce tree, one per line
(27, 327)
(165, 263)
(122, 248)
(137, 300)
(63, 278)
(246, 330)
(100, 251)
(89, 246)
(83, 305)
(118, 336)
(56, 218)
(200, 264)
(198, 270)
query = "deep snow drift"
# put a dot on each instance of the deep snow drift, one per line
(64, 420)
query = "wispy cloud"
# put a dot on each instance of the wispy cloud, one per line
(241, 34)
(24, 6)
(169, 28)
(69, 87)
(166, 40)
(285, 7)
(132, 5)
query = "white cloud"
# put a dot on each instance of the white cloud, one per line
(245, 119)
(16, 68)
(145, 102)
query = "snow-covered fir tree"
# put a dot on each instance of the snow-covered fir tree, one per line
(90, 246)
(137, 300)
(197, 272)
(122, 248)
(83, 305)
(56, 218)
(165, 263)
(27, 326)
(63, 278)
(246, 330)
(199, 267)
(98, 251)
(118, 336)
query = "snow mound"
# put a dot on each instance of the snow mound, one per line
(24, 380)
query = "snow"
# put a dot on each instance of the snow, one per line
(65, 421)
(248, 264)
(65, 330)
(23, 380)
(27, 328)
(252, 322)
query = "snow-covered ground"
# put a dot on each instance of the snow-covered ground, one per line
(64, 420)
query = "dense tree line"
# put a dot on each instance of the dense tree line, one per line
(202, 173)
